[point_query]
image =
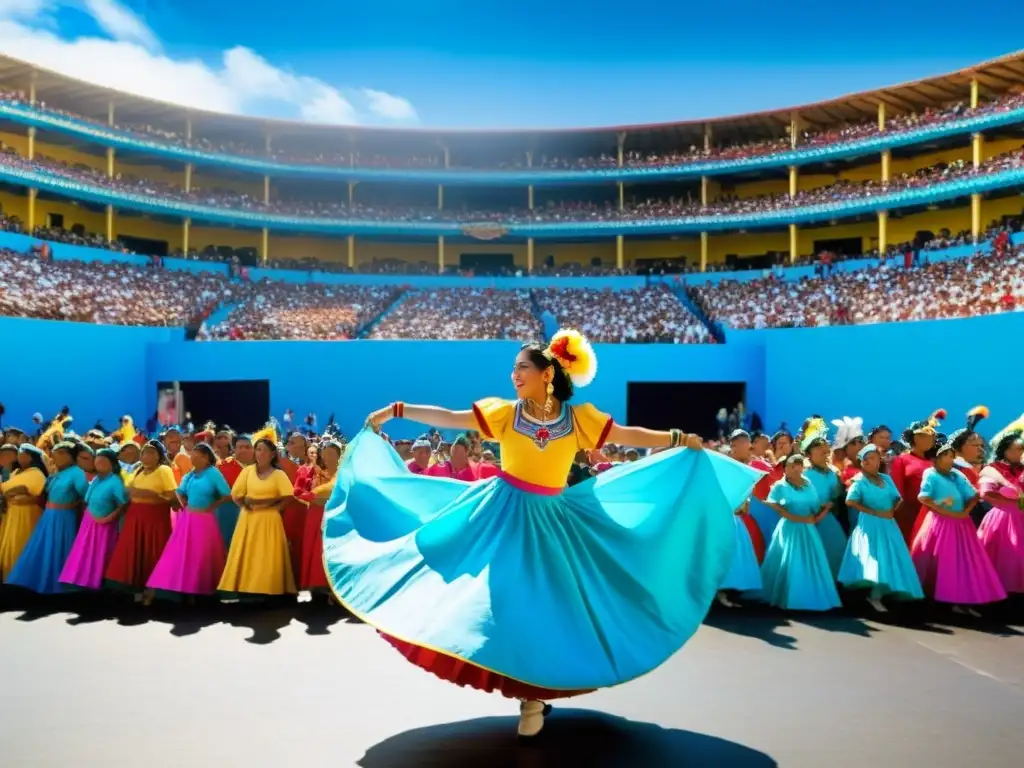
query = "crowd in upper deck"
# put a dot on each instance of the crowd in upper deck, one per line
(342, 157)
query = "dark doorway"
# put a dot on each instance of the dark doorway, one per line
(487, 263)
(844, 246)
(691, 407)
(242, 405)
(144, 245)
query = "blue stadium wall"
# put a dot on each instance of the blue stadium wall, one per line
(885, 373)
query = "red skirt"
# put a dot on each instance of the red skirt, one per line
(147, 527)
(756, 537)
(294, 519)
(312, 575)
(465, 674)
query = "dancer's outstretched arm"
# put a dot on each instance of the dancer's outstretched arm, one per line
(430, 415)
(638, 437)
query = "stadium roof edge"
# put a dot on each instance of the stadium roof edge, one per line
(999, 75)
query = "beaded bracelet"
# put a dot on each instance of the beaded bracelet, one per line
(675, 438)
(398, 409)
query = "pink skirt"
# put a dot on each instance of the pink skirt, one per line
(952, 564)
(1002, 535)
(193, 560)
(90, 554)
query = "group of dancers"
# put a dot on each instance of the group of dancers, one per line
(505, 579)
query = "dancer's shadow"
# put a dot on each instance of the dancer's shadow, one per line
(571, 737)
(759, 624)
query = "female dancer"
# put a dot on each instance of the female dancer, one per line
(907, 470)
(258, 564)
(86, 460)
(21, 495)
(849, 440)
(1002, 486)
(193, 560)
(516, 584)
(876, 555)
(43, 558)
(312, 576)
(94, 545)
(950, 561)
(829, 488)
(796, 571)
(147, 523)
(740, 446)
(774, 464)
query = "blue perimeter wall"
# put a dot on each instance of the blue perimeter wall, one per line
(885, 373)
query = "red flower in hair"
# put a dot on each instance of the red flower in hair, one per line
(560, 349)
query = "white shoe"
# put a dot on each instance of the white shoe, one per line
(531, 718)
(723, 599)
(875, 603)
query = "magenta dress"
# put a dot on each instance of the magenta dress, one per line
(1002, 531)
(95, 542)
(950, 561)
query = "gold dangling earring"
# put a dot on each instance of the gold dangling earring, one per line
(547, 402)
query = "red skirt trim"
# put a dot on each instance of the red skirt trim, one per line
(464, 674)
(756, 537)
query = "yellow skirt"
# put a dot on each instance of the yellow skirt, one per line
(15, 531)
(258, 561)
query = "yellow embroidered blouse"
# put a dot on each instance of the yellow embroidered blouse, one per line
(538, 453)
(160, 480)
(249, 483)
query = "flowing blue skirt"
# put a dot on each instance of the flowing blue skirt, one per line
(877, 558)
(744, 574)
(42, 560)
(833, 538)
(586, 589)
(796, 571)
(227, 518)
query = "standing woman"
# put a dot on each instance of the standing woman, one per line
(231, 467)
(258, 564)
(829, 489)
(774, 464)
(312, 576)
(193, 560)
(43, 558)
(876, 556)
(881, 438)
(293, 517)
(21, 494)
(85, 460)
(1002, 486)
(740, 446)
(907, 470)
(849, 440)
(950, 561)
(147, 523)
(94, 545)
(796, 571)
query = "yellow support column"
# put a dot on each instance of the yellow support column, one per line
(266, 190)
(619, 252)
(794, 247)
(881, 117)
(622, 196)
(621, 138)
(886, 166)
(188, 177)
(32, 87)
(794, 129)
(704, 191)
(265, 245)
(974, 93)
(110, 223)
(440, 254)
(440, 196)
(703, 251)
(707, 137)
(110, 114)
(529, 255)
(793, 176)
(976, 217)
(977, 144)
(32, 193)
(186, 225)
(351, 251)
(529, 196)
(110, 162)
(32, 143)
(883, 231)
(188, 128)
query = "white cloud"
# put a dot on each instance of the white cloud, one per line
(130, 58)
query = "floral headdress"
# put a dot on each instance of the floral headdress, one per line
(816, 429)
(848, 430)
(574, 353)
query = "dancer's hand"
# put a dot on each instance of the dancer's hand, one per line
(694, 443)
(378, 418)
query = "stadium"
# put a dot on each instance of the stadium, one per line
(788, 288)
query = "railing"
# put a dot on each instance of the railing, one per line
(950, 190)
(109, 136)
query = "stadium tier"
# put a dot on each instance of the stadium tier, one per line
(863, 174)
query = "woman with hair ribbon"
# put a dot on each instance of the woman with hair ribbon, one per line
(516, 584)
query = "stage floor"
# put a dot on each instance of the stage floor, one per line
(304, 687)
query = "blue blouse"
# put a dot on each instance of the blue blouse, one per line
(800, 502)
(68, 486)
(879, 498)
(951, 491)
(826, 483)
(203, 488)
(105, 494)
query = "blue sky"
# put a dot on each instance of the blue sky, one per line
(486, 65)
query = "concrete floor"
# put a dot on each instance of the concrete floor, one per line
(303, 686)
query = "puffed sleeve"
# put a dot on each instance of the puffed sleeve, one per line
(221, 485)
(186, 481)
(241, 487)
(856, 492)
(165, 479)
(777, 494)
(284, 485)
(591, 426)
(493, 416)
(928, 484)
(34, 482)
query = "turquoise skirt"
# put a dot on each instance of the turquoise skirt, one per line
(877, 558)
(744, 575)
(796, 572)
(586, 589)
(42, 560)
